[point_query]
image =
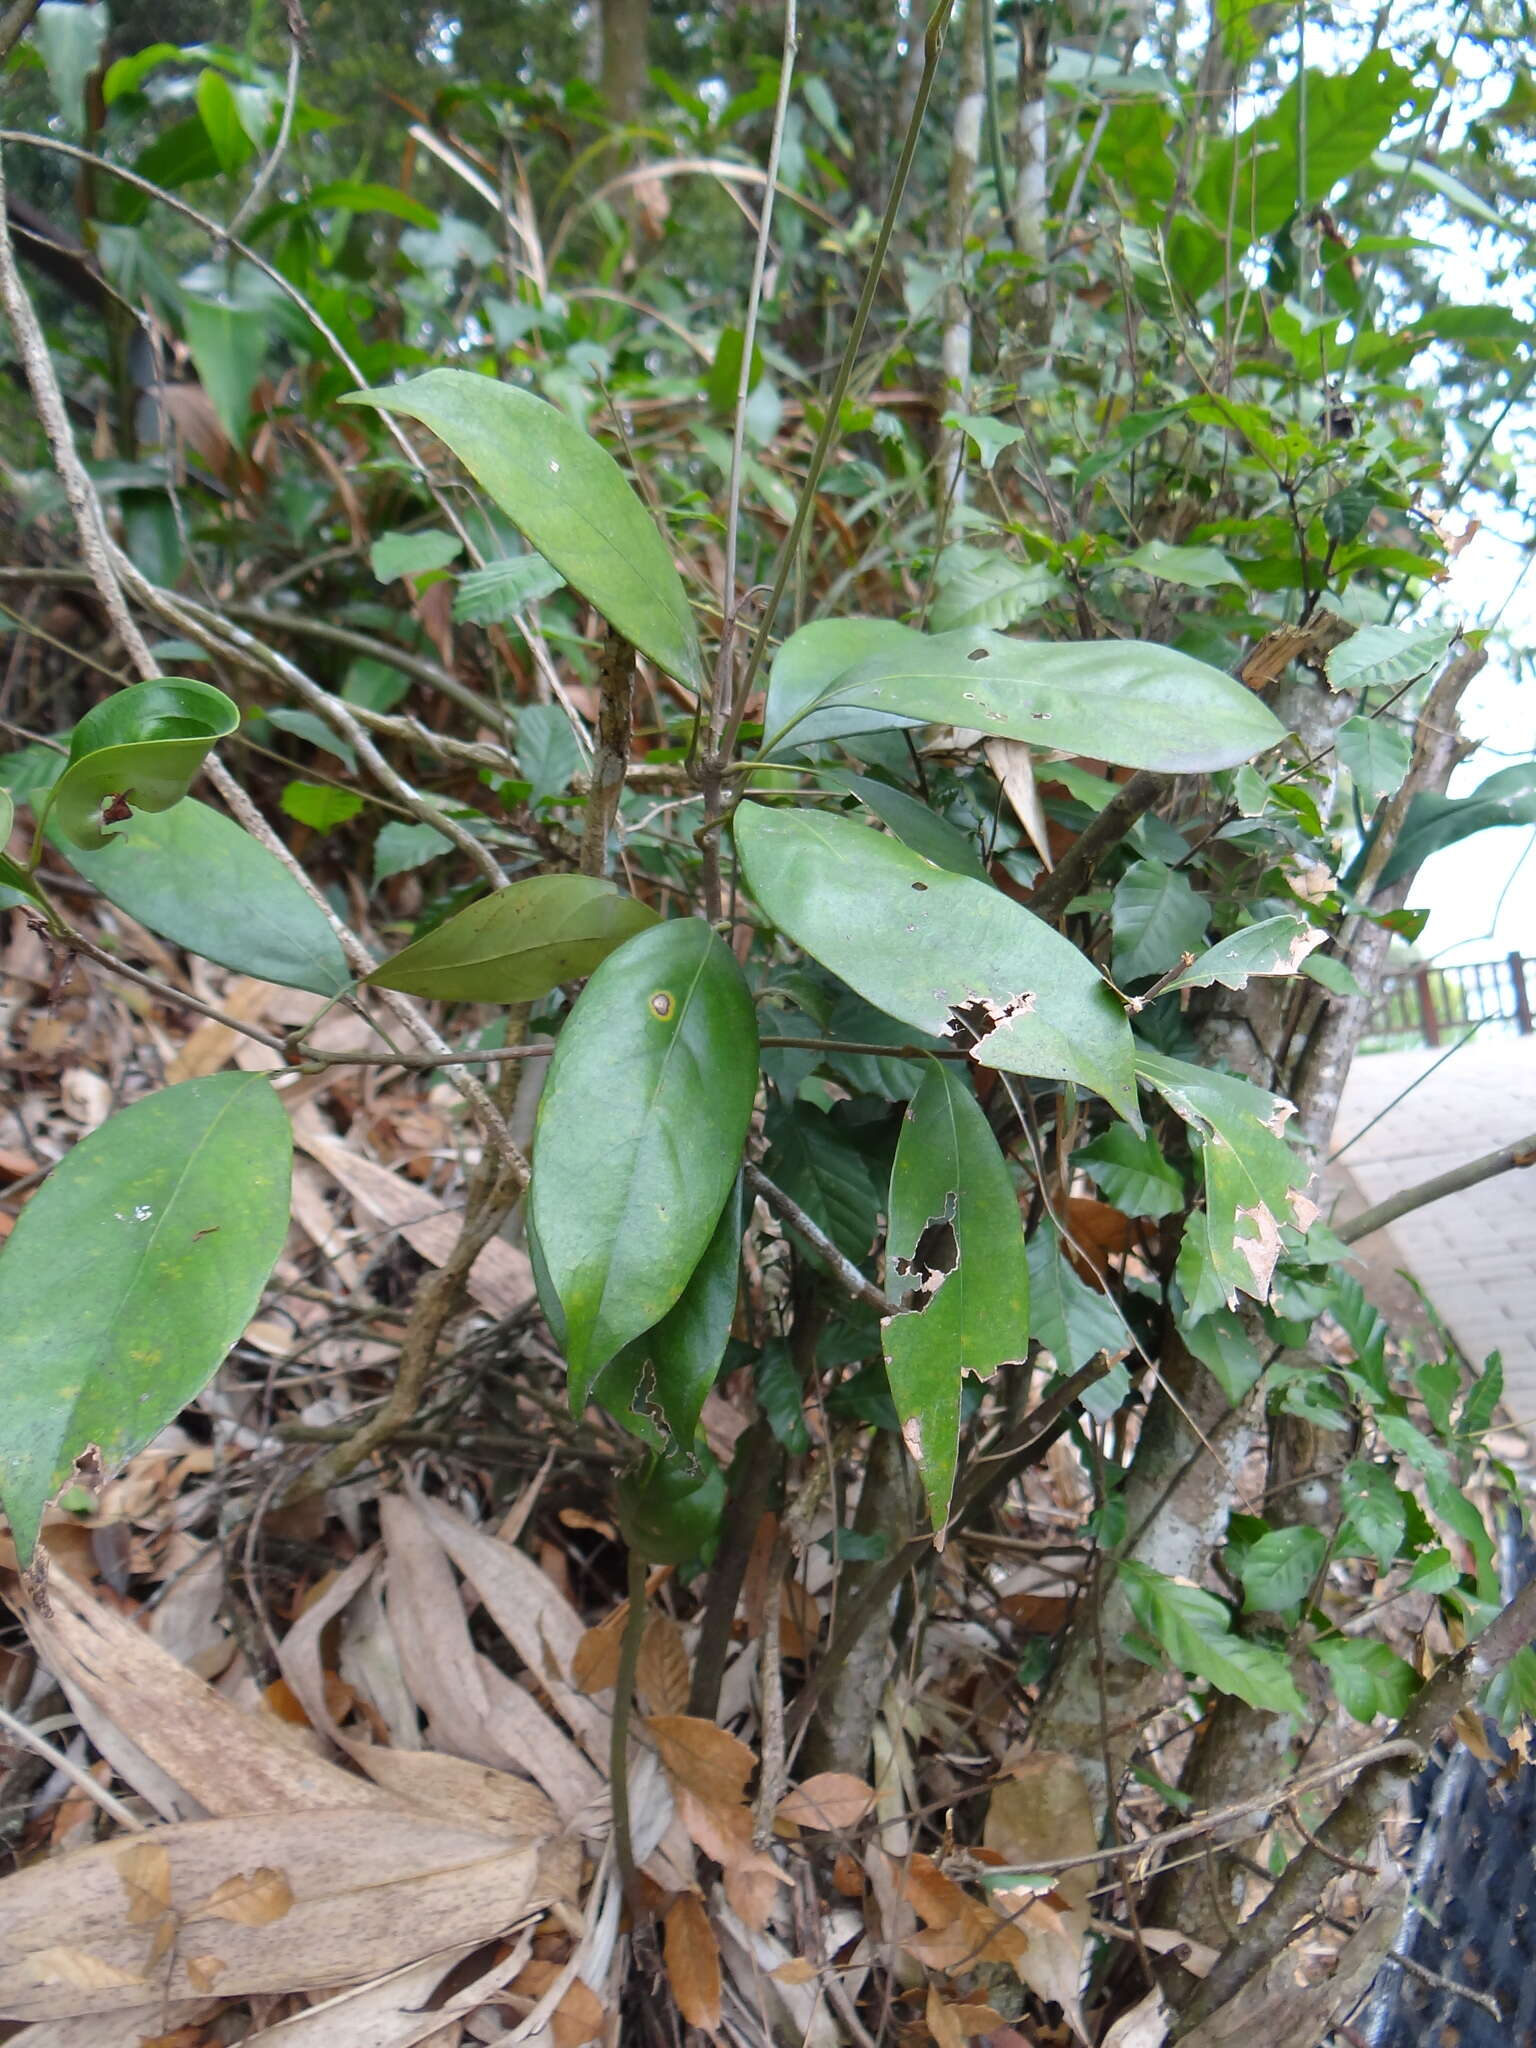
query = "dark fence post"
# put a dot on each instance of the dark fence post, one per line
(1522, 994)
(1427, 1017)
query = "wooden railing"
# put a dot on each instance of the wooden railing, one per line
(1436, 1005)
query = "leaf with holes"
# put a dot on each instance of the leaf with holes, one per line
(519, 942)
(138, 751)
(130, 1274)
(952, 956)
(1142, 705)
(569, 499)
(810, 662)
(955, 1268)
(1276, 945)
(640, 1134)
(197, 879)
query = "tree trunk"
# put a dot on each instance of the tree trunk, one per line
(964, 157)
(625, 70)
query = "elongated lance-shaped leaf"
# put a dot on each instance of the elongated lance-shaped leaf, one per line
(950, 955)
(955, 1267)
(132, 1271)
(1128, 701)
(640, 1134)
(569, 499)
(138, 751)
(519, 942)
(197, 879)
(1276, 945)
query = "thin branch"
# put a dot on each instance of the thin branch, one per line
(1521, 1153)
(615, 729)
(14, 23)
(846, 1273)
(76, 942)
(1074, 871)
(80, 1779)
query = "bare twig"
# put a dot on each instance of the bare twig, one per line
(846, 1273)
(81, 1779)
(615, 725)
(1455, 1178)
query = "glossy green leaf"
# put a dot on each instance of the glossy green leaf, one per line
(640, 1134)
(922, 945)
(995, 591)
(1384, 657)
(817, 1166)
(197, 879)
(519, 942)
(547, 753)
(137, 751)
(1074, 1321)
(1253, 1180)
(494, 595)
(1225, 1349)
(811, 661)
(687, 1345)
(12, 876)
(357, 196)
(1376, 753)
(228, 336)
(1434, 822)
(1194, 1630)
(1277, 1570)
(1276, 945)
(1155, 915)
(130, 1274)
(1190, 568)
(955, 1268)
(1131, 1172)
(320, 805)
(1369, 1678)
(1128, 701)
(568, 498)
(670, 1509)
(220, 116)
(394, 555)
(915, 824)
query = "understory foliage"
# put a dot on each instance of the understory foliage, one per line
(858, 786)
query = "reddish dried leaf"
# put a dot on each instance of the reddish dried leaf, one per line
(595, 1666)
(712, 1764)
(663, 1676)
(829, 1801)
(693, 1962)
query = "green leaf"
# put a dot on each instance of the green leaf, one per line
(1382, 657)
(1253, 1180)
(402, 846)
(815, 1164)
(996, 591)
(687, 1345)
(640, 1133)
(11, 875)
(1276, 945)
(1486, 1393)
(70, 39)
(782, 1398)
(221, 118)
(923, 945)
(1374, 1519)
(319, 805)
(197, 879)
(519, 942)
(1368, 1677)
(724, 380)
(228, 341)
(1376, 754)
(1225, 1349)
(138, 751)
(1190, 568)
(568, 498)
(1131, 1172)
(130, 1274)
(811, 660)
(394, 555)
(310, 727)
(989, 437)
(357, 196)
(1074, 1321)
(547, 752)
(670, 1509)
(1156, 916)
(1127, 701)
(1435, 822)
(1461, 196)
(494, 595)
(955, 1268)
(1193, 1629)
(1277, 1570)
(129, 73)
(1332, 975)
(1346, 512)
(915, 824)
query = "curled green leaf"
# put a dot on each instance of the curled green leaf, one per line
(139, 751)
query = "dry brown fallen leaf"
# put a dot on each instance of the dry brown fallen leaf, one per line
(1042, 1811)
(692, 1957)
(165, 1732)
(394, 2011)
(663, 1676)
(830, 1800)
(277, 1902)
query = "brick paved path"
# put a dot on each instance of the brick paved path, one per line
(1474, 1253)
